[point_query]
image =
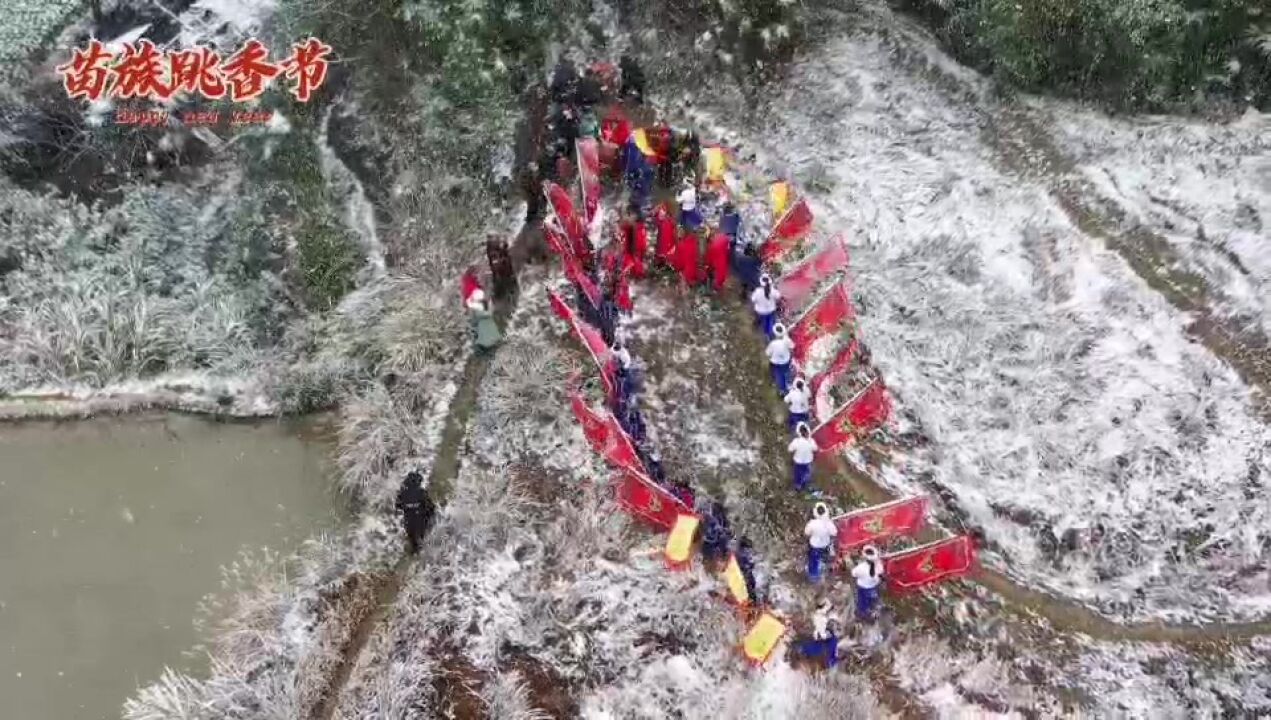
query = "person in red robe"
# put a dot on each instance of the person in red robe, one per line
(635, 244)
(617, 286)
(717, 252)
(686, 258)
(665, 225)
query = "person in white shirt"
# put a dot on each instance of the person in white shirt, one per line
(798, 400)
(690, 216)
(825, 640)
(779, 351)
(802, 451)
(868, 574)
(821, 532)
(764, 301)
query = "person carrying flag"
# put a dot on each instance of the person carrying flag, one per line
(635, 244)
(716, 536)
(654, 465)
(780, 352)
(824, 642)
(802, 452)
(665, 226)
(820, 532)
(764, 300)
(484, 329)
(746, 564)
(685, 259)
(798, 400)
(868, 574)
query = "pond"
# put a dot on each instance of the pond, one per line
(113, 530)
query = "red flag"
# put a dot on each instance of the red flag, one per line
(826, 316)
(827, 377)
(685, 260)
(717, 260)
(581, 279)
(595, 426)
(797, 284)
(824, 380)
(556, 241)
(645, 499)
(635, 246)
(928, 564)
(615, 128)
(589, 176)
(590, 337)
(900, 517)
(789, 230)
(621, 450)
(870, 407)
(468, 283)
(568, 220)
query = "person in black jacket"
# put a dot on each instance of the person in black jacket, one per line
(417, 509)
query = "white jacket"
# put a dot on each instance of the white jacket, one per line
(687, 199)
(864, 579)
(779, 350)
(820, 625)
(820, 531)
(798, 400)
(803, 450)
(764, 305)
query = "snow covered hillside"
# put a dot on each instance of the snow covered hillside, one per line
(1107, 455)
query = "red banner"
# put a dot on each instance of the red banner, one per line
(574, 272)
(603, 432)
(830, 312)
(556, 241)
(645, 499)
(789, 230)
(589, 176)
(821, 383)
(870, 407)
(567, 218)
(900, 517)
(798, 283)
(590, 337)
(929, 564)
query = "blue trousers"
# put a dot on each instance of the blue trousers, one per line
(766, 322)
(866, 602)
(796, 418)
(827, 648)
(802, 476)
(781, 376)
(818, 558)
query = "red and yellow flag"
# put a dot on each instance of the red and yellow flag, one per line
(862, 527)
(793, 226)
(648, 501)
(929, 564)
(797, 284)
(827, 315)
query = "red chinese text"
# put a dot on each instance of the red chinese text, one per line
(140, 70)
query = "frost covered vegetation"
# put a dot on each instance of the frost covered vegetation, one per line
(1135, 54)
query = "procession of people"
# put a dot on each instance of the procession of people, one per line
(700, 236)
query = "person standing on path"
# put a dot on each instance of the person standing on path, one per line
(665, 226)
(417, 510)
(780, 351)
(484, 329)
(764, 300)
(501, 271)
(820, 532)
(716, 535)
(746, 563)
(717, 260)
(802, 451)
(690, 216)
(868, 574)
(798, 400)
(825, 640)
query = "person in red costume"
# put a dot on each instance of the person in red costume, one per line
(665, 225)
(635, 244)
(717, 253)
(686, 258)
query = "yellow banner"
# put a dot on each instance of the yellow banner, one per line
(763, 638)
(736, 582)
(779, 196)
(679, 544)
(716, 164)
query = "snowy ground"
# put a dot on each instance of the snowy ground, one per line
(1058, 391)
(1205, 187)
